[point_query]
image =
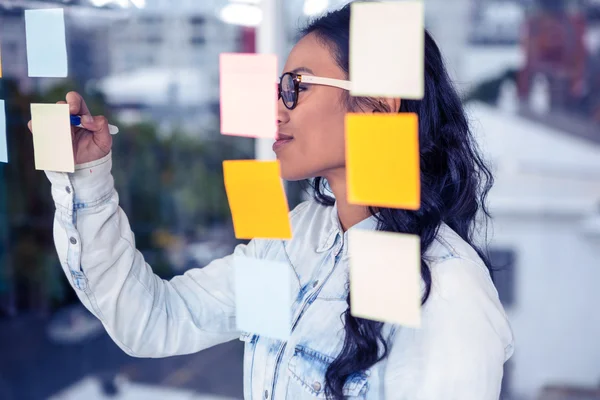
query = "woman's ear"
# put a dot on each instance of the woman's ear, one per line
(392, 104)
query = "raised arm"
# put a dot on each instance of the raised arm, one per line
(144, 314)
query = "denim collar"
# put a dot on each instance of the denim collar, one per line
(332, 229)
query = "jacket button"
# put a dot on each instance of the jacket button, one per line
(317, 386)
(315, 283)
(266, 394)
(73, 240)
(68, 189)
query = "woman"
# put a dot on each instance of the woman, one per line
(465, 337)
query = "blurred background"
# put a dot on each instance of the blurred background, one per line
(529, 74)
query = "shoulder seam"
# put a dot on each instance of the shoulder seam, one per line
(446, 245)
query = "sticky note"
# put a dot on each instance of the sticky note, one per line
(46, 43)
(382, 160)
(257, 199)
(3, 142)
(263, 297)
(385, 280)
(52, 143)
(0, 62)
(248, 94)
(387, 42)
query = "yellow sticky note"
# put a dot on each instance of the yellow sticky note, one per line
(385, 279)
(257, 199)
(52, 143)
(382, 160)
(248, 95)
(387, 42)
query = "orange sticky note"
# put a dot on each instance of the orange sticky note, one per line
(385, 278)
(52, 142)
(382, 160)
(248, 94)
(257, 199)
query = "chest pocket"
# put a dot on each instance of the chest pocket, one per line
(307, 370)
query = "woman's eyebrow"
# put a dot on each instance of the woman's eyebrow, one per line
(302, 69)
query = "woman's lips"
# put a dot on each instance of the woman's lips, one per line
(281, 140)
(282, 136)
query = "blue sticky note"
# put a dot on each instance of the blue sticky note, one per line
(3, 144)
(46, 43)
(263, 297)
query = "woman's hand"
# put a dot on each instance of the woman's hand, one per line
(91, 142)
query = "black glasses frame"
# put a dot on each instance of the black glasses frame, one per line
(296, 89)
(311, 80)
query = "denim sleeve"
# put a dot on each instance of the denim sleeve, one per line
(145, 315)
(463, 342)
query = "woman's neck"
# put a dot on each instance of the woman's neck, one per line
(348, 214)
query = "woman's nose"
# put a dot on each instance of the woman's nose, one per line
(283, 114)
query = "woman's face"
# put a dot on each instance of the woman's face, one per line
(316, 125)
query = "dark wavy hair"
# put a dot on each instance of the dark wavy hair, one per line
(455, 182)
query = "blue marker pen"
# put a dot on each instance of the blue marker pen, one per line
(76, 121)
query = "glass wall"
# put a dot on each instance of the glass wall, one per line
(529, 74)
(531, 71)
(152, 69)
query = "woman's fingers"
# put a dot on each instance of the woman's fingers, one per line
(77, 106)
(76, 103)
(97, 124)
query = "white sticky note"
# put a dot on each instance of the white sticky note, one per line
(3, 141)
(52, 142)
(46, 43)
(385, 280)
(387, 49)
(263, 297)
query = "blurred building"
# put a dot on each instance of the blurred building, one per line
(13, 45)
(545, 241)
(170, 48)
(163, 65)
(87, 45)
(554, 45)
(450, 37)
(170, 40)
(496, 22)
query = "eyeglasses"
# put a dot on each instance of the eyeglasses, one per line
(289, 86)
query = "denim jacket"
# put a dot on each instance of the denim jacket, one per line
(458, 353)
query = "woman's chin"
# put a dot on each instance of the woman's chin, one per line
(291, 174)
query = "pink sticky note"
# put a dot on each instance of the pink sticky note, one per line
(248, 95)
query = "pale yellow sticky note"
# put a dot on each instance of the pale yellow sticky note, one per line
(382, 160)
(257, 199)
(387, 42)
(52, 143)
(385, 280)
(248, 95)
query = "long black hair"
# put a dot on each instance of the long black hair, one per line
(454, 184)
